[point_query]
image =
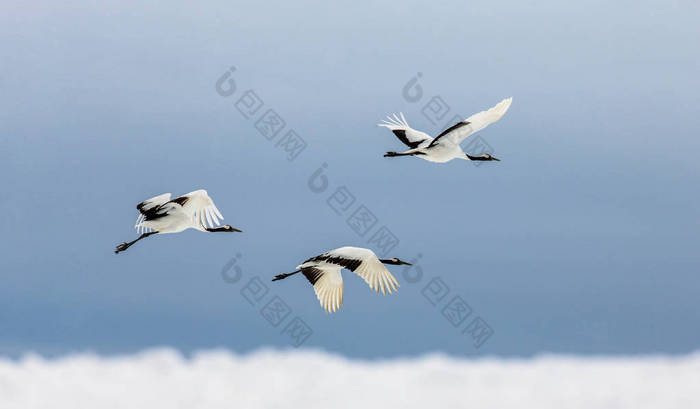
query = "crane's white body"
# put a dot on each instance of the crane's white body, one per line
(324, 273)
(194, 210)
(440, 153)
(446, 146)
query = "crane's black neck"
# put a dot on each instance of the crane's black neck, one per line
(480, 158)
(218, 229)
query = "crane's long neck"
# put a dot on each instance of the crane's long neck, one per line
(485, 157)
(216, 229)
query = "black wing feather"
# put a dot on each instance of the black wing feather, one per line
(156, 212)
(448, 130)
(349, 263)
(401, 134)
(312, 274)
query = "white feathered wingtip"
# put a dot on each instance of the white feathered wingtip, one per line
(503, 106)
(140, 228)
(394, 122)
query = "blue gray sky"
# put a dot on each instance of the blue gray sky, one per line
(582, 240)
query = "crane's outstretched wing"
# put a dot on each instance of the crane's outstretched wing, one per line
(328, 285)
(149, 209)
(409, 136)
(370, 269)
(201, 208)
(461, 130)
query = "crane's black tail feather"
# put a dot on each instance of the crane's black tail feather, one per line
(285, 275)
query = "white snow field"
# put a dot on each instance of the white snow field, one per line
(163, 378)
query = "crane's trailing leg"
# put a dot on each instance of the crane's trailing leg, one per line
(285, 275)
(225, 228)
(392, 154)
(125, 246)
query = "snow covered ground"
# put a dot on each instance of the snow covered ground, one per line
(163, 378)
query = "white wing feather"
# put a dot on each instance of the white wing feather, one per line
(329, 288)
(371, 269)
(477, 122)
(202, 209)
(377, 276)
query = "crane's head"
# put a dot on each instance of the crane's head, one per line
(395, 261)
(230, 228)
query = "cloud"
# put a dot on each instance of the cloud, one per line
(163, 378)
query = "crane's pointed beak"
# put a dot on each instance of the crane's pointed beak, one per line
(236, 230)
(405, 263)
